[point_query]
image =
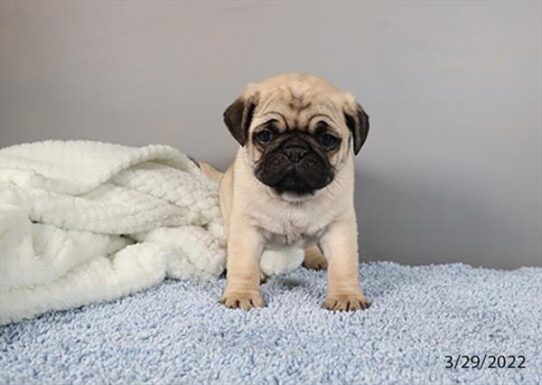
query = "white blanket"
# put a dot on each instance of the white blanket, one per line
(84, 221)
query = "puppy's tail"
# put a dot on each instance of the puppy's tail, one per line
(210, 172)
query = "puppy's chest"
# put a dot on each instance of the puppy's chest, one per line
(292, 226)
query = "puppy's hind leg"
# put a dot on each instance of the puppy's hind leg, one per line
(314, 258)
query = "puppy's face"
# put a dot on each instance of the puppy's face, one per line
(297, 131)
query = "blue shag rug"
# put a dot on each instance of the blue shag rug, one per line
(177, 333)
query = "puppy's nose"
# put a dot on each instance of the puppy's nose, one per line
(295, 153)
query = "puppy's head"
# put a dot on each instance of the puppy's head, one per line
(297, 130)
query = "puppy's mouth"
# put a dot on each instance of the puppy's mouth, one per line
(296, 182)
(294, 172)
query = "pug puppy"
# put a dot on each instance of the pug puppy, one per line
(292, 183)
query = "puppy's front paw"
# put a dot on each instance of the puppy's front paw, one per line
(242, 300)
(348, 302)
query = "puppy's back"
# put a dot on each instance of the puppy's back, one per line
(210, 172)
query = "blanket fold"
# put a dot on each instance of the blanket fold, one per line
(85, 221)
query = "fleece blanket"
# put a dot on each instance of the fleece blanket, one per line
(87, 221)
(177, 333)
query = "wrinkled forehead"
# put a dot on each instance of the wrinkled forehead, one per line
(301, 109)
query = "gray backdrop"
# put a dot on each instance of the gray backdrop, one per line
(452, 167)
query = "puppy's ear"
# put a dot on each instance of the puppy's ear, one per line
(238, 117)
(358, 123)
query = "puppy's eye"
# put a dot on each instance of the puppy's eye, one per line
(328, 141)
(264, 136)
